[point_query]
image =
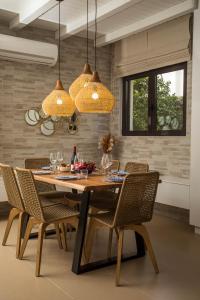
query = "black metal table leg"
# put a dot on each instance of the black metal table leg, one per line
(77, 268)
(80, 235)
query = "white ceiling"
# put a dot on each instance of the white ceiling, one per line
(116, 18)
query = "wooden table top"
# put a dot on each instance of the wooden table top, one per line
(93, 182)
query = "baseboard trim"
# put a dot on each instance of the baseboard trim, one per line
(173, 212)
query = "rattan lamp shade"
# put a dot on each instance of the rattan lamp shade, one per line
(58, 102)
(95, 97)
(80, 82)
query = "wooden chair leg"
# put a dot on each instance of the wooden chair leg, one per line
(41, 232)
(141, 229)
(13, 213)
(109, 250)
(119, 255)
(19, 234)
(58, 235)
(64, 236)
(26, 237)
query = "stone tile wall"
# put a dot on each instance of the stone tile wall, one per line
(23, 86)
(169, 155)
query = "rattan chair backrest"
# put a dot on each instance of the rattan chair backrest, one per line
(115, 164)
(30, 196)
(11, 186)
(37, 163)
(132, 167)
(137, 198)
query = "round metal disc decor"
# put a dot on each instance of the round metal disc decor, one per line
(32, 117)
(42, 114)
(47, 128)
(55, 118)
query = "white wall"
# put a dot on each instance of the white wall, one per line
(195, 129)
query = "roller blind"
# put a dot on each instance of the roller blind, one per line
(163, 45)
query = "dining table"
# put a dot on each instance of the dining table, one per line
(94, 182)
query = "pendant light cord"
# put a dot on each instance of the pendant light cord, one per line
(95, 38)
(87, 49)
(59, 42)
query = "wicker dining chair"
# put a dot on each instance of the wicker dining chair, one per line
(16, 201)
(135, 207)
(115, 164)
(48, 190)
(57, 214)
(133, 166)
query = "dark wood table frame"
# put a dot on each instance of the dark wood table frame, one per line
(86, 186)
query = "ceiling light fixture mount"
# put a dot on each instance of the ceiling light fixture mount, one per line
(86, 74)
(95, 97)
(58, 102)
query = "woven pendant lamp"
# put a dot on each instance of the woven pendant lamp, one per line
(58, 102)
(95, 97)
(85, 76)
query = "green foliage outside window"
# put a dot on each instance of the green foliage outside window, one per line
(169, 107)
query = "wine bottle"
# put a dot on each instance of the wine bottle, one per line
(74, 160)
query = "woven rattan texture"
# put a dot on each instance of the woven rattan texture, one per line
(132, 167)
(11, 186)
(30, 197)
(57, 212)
(38, 163)
(137, 199)
(104, 199)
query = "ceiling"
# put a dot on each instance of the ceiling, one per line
(116, 18)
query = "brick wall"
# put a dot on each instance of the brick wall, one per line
(169, 155)
(23, 86)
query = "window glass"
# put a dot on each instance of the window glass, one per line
(170, 100)
(139, 104)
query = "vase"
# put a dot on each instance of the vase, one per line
(106, 161)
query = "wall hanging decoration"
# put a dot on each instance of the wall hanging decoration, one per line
(49, 124)
(58, 102)
(86, 75)
(95, 97)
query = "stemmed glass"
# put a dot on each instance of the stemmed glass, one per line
(53, 160)
(60, 158)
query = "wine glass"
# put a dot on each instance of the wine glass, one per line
(53, 160)
(60, 157)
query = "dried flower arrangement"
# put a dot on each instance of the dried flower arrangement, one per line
(106, 143)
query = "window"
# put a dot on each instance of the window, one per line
(154, 102)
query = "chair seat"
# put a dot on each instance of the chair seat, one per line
(104, 200)
(53, 194)
(57, 212)
(105, 218)
(45, 202)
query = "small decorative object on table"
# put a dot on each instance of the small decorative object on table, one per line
(89, 166)
(106, 143)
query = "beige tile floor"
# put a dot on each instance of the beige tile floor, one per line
(178, 255)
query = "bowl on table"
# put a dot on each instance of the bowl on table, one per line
(90, 166)
(64, 168)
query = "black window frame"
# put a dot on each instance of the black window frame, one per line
(152, 102)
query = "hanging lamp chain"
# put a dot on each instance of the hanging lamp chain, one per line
(95, 38)
(59, 42)
(87, 50)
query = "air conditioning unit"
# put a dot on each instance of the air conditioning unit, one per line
(27, 51)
